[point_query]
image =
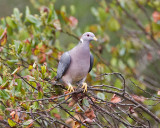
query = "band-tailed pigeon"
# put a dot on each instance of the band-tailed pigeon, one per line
(74, 65)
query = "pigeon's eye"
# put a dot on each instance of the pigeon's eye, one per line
(88, 35)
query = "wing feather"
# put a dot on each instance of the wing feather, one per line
(63, 65)
(91, 61)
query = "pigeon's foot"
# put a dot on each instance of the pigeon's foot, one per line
(84, 86)
(70, 88)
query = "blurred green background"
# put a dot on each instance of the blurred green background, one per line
(84, 14)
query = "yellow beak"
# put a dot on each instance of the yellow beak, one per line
(94, 38)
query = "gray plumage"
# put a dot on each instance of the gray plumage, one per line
(75, 64)
(91, 61)
(63, 65)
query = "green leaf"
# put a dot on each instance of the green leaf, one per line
(94, 11)
(1, 31)
(113, 24)
(20, 48)
(73, 9)
(121, 65)
(17, 43)
(17, 14)
(19, 86)
(40, 95)
(122, 51)
(11, 62)
(156, 27)
(118, 83)
(10, 22)
(28, 122)
(101, 95)
(114, 61)
(4, 94)
(11, 122)
(85, 102)
(102, 14)
(23, 35)
(35, 105)
(1, 80)
(4, 85)
(131, 63)
(53, 74)
(52, 14)
(27, 11)
(32, 19)
(57, 24)
(43, 69)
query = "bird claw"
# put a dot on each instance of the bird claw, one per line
(70, 88)
(84, 86)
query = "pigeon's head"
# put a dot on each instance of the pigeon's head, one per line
(88, 36)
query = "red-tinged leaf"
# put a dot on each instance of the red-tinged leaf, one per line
(73, 22)
(115, 99)
(65, 18)
(12, 114)
(66, 97)
(156, 16)
(149, 56)
(42, 58)
(71, 103)
(158, 93)
(78, 109)
(16, 118)
(70, 121)
(131, 110)
(57, 116)
(3, 38)
(93, 99)
(41, 47)
(88, 120)
(90, 113)
(1, 117)
(138, 98)
(44, 9)
(107, 10)
(114, 50)
(27, 41)
(39, 87)
(77, 125)
(57, 24)
(8, 103)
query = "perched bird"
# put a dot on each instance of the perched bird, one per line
(74, 65)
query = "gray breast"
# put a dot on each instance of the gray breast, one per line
(80, 64)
